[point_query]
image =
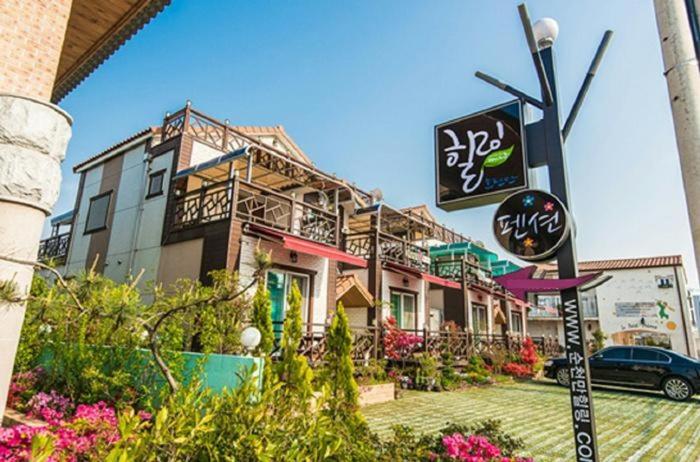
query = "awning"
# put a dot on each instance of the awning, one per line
(308, 247)
(228, 157)
(412, 272)
(441, 281)
(350, 291)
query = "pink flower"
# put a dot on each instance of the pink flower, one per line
(472, 449)
(50, 407)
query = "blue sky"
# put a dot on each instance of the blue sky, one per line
(360, 85)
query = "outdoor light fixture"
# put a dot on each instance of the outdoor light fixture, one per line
(293, 257)
(250, 338)
(546, 31)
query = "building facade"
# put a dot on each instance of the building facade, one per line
(644, 301)
(195, 195)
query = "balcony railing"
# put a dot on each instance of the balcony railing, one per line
(255, 204)
(539, 312)
(475, 275)
(391, 249)
(55, 248)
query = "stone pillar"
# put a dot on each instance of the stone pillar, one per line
(33, 140)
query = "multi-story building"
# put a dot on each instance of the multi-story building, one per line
(643, 301)
(195, 195)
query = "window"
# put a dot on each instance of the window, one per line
(616, 353)
(479, 320)
(664, 282)
(279, 283)
(155, 183)
(642, 354)
(403, 309)
(97, 213)
(550, 301)
(517, 320)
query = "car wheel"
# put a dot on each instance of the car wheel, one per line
(677, 388)
(563, 378)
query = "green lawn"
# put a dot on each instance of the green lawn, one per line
(631, 425)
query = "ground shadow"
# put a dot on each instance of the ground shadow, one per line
(695, 400)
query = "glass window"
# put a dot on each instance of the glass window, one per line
(97, 213)
(155, 183)
(616, 353)
(403, 309)
(479, 319)
(642, 354)
(517, 322)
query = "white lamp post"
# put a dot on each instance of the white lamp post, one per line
(250, 338)
(546, 31)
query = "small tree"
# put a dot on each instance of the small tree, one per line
(599, 338)
(294, 371)
(341, 389)
(262, 320)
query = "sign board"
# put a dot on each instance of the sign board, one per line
(480, 158)
(531, 224)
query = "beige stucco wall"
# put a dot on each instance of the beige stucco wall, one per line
(640, 286)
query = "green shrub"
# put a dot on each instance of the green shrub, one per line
(427, 372)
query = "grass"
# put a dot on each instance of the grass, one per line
(631, 425)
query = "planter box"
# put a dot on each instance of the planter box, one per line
(375, 394)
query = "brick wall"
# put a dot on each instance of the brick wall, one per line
(31, 38)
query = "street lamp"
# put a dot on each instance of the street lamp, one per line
(545, 141)
(546, 31)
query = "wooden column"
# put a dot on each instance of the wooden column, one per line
(374, 270)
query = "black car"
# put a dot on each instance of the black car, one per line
(677, 375)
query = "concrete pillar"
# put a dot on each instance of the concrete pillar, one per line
(33, 140)
(683, 80)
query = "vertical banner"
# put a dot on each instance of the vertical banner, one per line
(579, 373)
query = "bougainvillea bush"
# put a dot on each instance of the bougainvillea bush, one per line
(399, 344)
(85, 434)
(527, 362)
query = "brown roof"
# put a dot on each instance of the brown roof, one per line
(345, 283)
(106, 152)
(622, 263)
(278, 131)
(422, 211)
(95, 30)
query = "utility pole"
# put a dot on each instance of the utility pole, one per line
(674, 19)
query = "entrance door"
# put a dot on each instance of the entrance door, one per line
(279, 283)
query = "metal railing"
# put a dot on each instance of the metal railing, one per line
(389, 248)
(254, 204)
(54, 248)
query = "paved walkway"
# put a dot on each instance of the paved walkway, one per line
(635, 426)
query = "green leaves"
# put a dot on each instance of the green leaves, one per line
(497, 158)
